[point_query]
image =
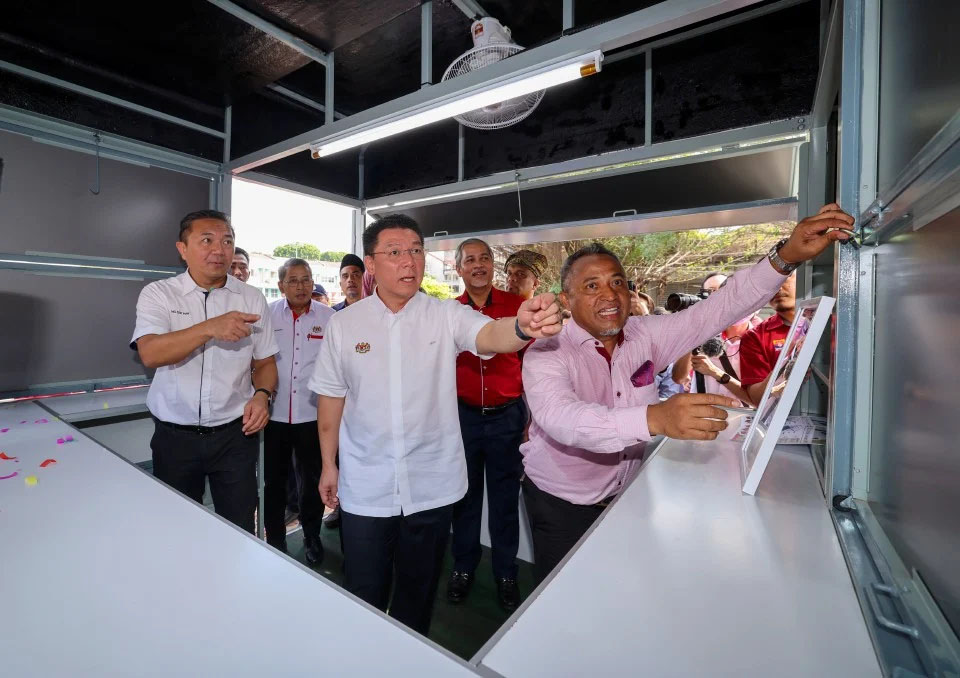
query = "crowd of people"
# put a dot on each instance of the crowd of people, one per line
(398, 410)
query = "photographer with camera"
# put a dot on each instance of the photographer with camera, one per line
(716, 364)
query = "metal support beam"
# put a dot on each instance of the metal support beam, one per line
(471, 8)
(840, 438)
(108, 98)
(67, 135)
(284, 36)
(360, 175)
(640, 25)
(828, 80)
(745, 140)
(224, 187)
(568, 14)
(648, 101)
(426, 43)
(759, 212)
(299, 98)
(703, 30)
(267, 180)
(461, 151)
(328, 112)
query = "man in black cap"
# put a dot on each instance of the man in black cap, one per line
(319, 294)
(351, 281)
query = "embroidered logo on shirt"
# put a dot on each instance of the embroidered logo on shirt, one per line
(178, 312)
(363, 347)
(778, 344)
(317, 329)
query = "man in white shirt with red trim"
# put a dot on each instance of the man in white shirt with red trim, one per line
(298, 327)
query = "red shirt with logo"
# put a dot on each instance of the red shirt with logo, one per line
(497, 381)
(759, 349)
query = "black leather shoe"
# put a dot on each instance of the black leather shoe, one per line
(458, 586)
(313, 551)
(508, 594)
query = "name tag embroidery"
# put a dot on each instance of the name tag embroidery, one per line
(179, 312)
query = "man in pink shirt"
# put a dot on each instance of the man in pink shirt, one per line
(591, 389)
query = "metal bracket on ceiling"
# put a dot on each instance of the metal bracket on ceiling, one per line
(96, 139)
(519, 222)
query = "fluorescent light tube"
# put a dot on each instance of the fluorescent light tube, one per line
(555, 74)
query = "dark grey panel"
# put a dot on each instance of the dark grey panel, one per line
(46, 205)
(388, 166)
(919, 83)
(66, 329)
(757, 71)
(715, 182)
(338, 173)
(914, 464)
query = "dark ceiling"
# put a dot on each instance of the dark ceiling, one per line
(190, 59)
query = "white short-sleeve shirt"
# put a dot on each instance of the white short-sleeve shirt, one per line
(299, 340)
(400, 444)
(212, 384)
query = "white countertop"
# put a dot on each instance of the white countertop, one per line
(107, 572)
(687, 576)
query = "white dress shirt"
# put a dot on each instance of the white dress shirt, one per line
(400, 444)
(212, 384)
(299, 340)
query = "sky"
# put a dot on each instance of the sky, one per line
(264, 217)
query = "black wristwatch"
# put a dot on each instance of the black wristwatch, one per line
(270, 395)
(786, 267)
(520, 333)
(725, 379)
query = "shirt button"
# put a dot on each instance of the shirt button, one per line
(294, 377)
(297, 348)
(294, 390)
(296, 363)
(618, 394)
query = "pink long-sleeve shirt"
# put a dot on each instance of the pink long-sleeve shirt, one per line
(589, 428)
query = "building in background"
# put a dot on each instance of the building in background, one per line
(265, 267)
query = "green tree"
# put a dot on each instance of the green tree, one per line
(435, 288)
(332, 255)
(298, 249)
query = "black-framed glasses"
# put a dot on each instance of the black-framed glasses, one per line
(394, 255)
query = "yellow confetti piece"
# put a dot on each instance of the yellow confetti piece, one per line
(30, 480)
(106, 406)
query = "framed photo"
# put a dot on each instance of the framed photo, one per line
(795, 357)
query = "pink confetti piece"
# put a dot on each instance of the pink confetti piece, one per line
(47, 462)
(12, 475)
(41, 421)
(4, 430)
(24, 421)
(59, 441)
(68, 439)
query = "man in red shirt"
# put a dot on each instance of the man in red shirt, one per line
(760, 346)
(493, 417)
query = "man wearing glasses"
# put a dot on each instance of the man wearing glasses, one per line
(299, 324)
(386, 379)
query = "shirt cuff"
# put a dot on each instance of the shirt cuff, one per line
(326, 390)
(632, 424)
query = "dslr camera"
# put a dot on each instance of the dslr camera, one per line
(678, 301)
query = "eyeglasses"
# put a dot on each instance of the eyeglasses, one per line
(395, 255)
(299, 282)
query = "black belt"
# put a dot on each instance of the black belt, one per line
(199, 430)
(483, 411)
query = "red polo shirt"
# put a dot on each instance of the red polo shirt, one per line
(759, 349)
(489, 383)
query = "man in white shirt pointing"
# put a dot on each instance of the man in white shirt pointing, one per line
(386, 379)
(205, 331)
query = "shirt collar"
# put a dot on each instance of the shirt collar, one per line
(188, 284)
(309, 311)
(580, 336)
(383, 307)
(465, 298)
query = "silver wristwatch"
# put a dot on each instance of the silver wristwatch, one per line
(778, 262)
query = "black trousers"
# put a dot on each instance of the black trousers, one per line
(404, 550)
(556, 526)
(279, 441)
(492, 444)
(185, 459)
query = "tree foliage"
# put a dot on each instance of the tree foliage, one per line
(435, 288)
(298, 249)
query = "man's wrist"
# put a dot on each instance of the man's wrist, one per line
(653, 426)
(267, 395)
(520, 333)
